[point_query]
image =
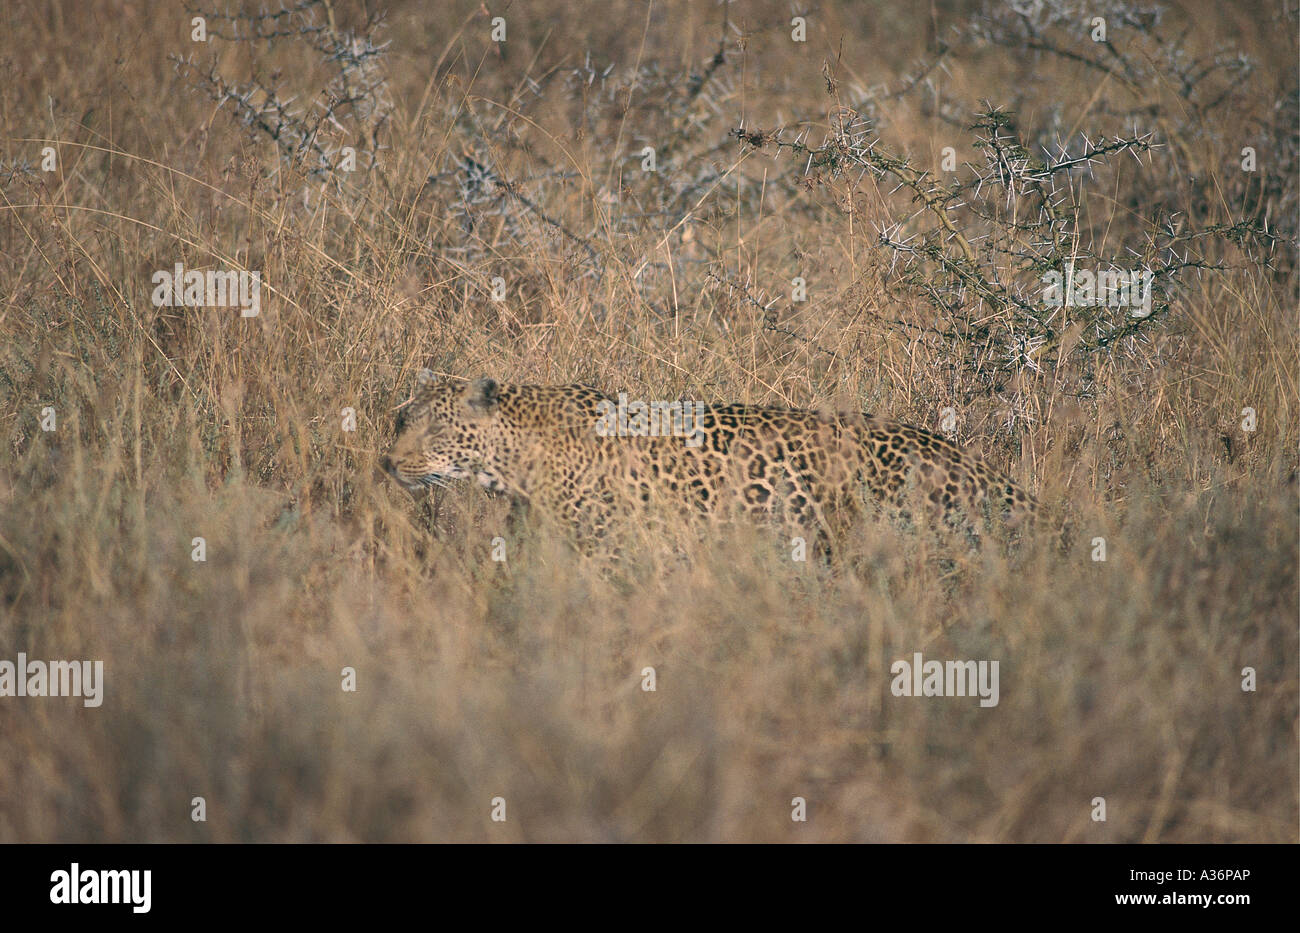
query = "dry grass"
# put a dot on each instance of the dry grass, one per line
(522, 679)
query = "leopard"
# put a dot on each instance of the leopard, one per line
(548, 448)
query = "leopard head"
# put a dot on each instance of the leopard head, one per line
(447, 432)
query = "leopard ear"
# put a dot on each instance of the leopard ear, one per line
(483, 395)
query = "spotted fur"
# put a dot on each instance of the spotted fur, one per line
(819, 471)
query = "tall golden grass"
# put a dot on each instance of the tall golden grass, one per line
(523, 679)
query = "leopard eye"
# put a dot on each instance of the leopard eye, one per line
(406, 417)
